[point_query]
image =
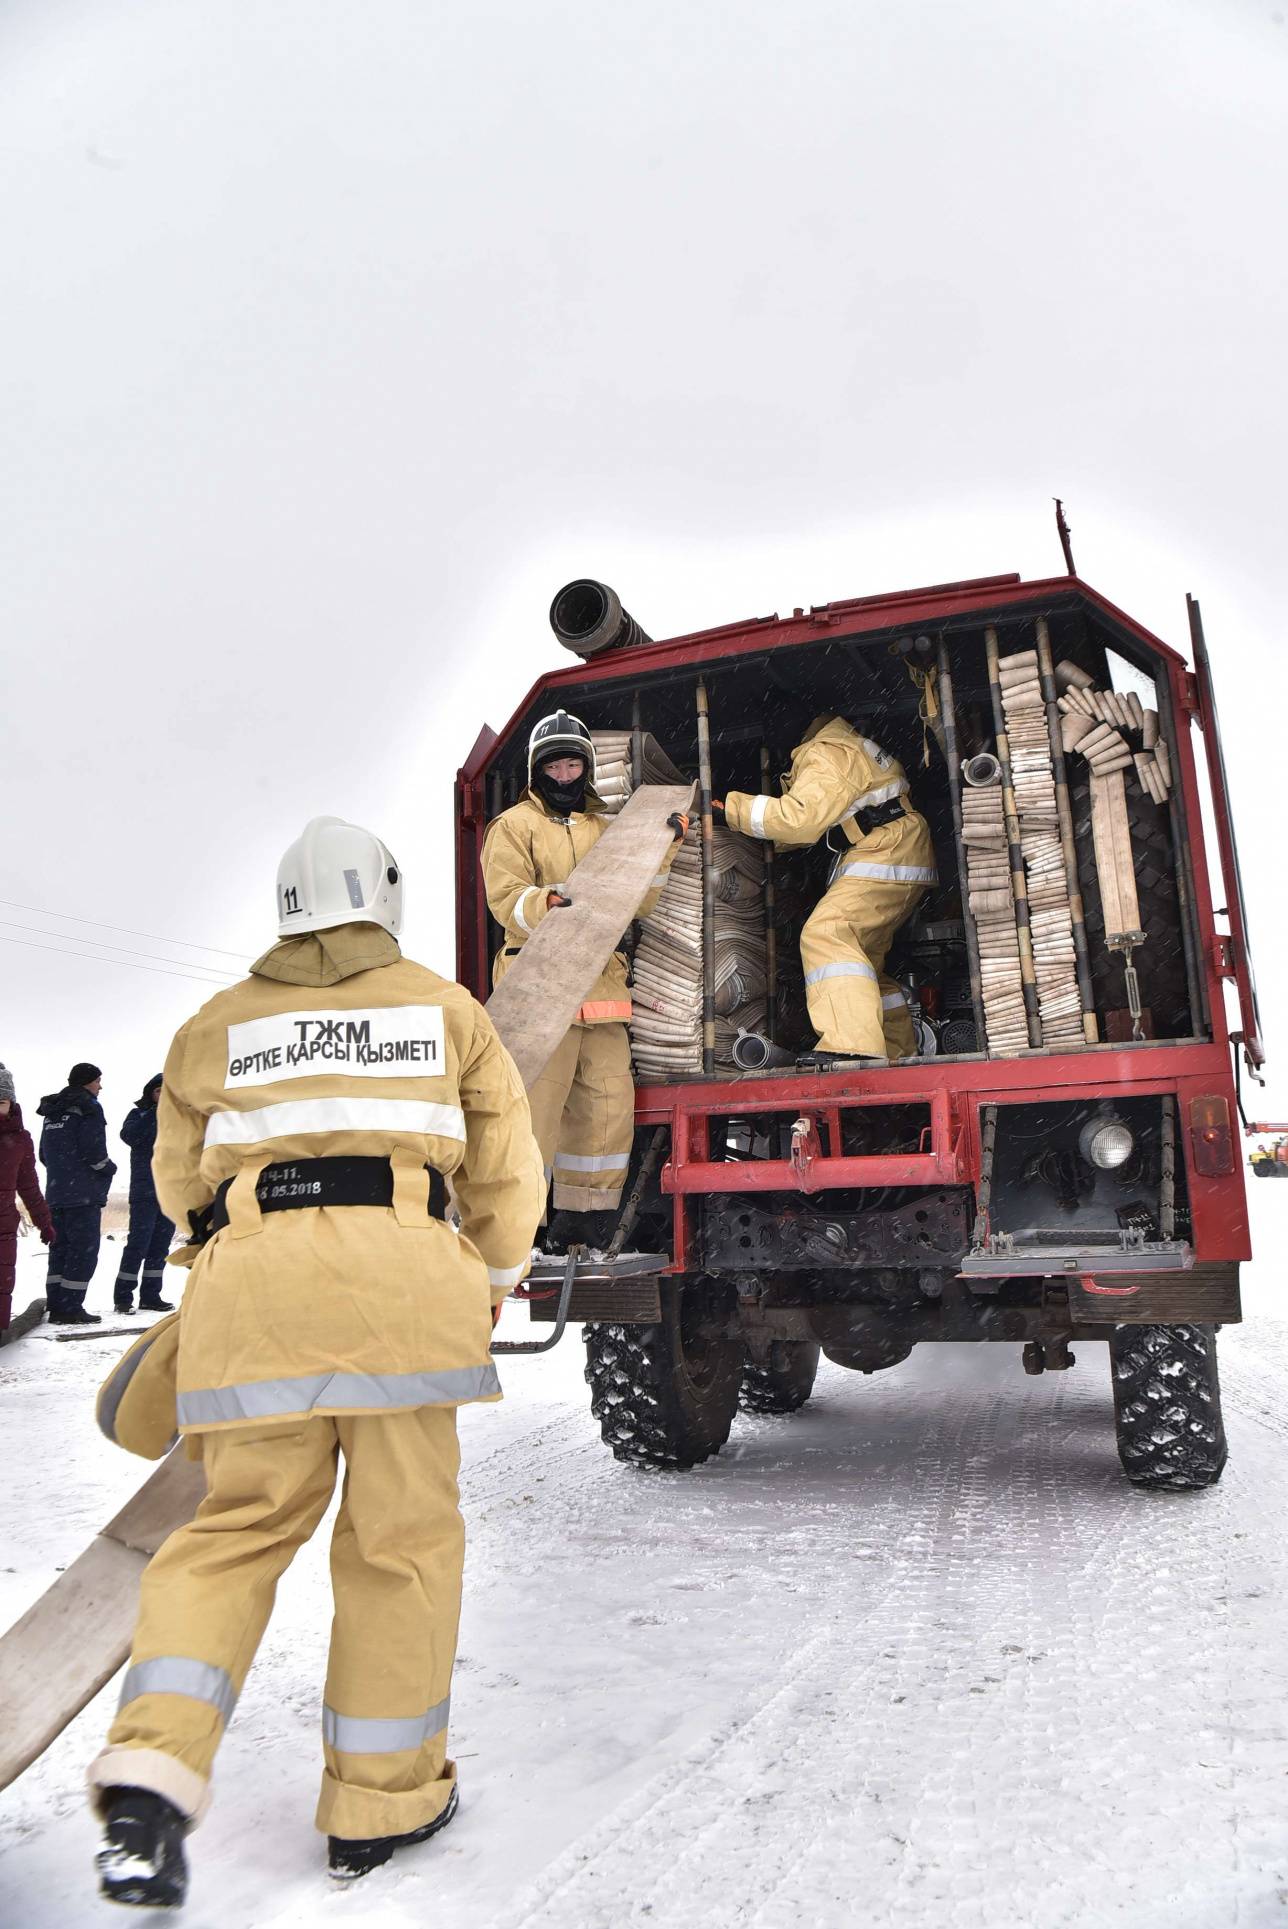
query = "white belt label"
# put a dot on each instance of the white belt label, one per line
(390, 1041)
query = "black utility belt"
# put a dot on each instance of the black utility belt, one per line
(341, 1181)
(869, 820)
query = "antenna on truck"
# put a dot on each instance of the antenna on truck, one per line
(1065, 544)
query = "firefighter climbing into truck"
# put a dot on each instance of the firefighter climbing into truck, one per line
(842, 782)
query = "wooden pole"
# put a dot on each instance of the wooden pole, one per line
(1019, 887)
(1077, 916)
(771, 913)
(708, 884)
(948, 713)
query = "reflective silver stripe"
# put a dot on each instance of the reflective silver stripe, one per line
(301, 1115)
(598, 1162)
(894, 1001)
(891, 873)
(898, 788)
(176, 1674)
(117, 1382)
(367, 1735)
(850, 969)
(759, 805)
(506, 1275)
(345, 1392)
(519, 903)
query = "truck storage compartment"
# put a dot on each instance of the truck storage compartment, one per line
(1041, 752)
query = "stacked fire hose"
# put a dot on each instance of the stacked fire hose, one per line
(1050, 919)
(1101, 725)
(991, 904)
(666, 991)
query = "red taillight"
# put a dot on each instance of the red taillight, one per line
(1210, 1136)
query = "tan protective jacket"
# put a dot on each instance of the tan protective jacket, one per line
(834, 773)
(529, 852)
(337, 1044)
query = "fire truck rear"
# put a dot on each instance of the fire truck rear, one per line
(1058, 1161)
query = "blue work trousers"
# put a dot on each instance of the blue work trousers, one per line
(72, 1256)
(147, 1244)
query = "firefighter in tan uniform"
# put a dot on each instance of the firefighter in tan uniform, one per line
(310, 1122)
(842, 782)
(583, 1105)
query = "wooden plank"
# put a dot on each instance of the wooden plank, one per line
(74, 1638)
(1115, 866)
(540, 995)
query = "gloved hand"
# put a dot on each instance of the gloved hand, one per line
(679, 822)
(46, 1238)
(718, 809)
(556, 901)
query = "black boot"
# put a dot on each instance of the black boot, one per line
(141, 1861)
(157, 1305)
(74, 1314)
(594, 1230)
(123, 1302)
(347, 1860)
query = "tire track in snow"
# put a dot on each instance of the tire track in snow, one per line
(1043, 1694)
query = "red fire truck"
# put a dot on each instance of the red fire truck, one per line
(1036, 1196)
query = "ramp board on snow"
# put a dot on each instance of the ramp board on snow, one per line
(539, 996)
(75, 1637)
(24, 1322)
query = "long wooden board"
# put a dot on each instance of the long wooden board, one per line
(75, 1637)
(1115, 865)
(539, 996)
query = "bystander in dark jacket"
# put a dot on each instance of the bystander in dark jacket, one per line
(150, 1231)
(18, 1180)
(73, 1150)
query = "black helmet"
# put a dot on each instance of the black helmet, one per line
(560, 735)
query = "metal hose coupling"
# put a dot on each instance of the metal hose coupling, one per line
(752, 1052)
(588, 617)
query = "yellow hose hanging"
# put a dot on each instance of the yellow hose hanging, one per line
(928, 711)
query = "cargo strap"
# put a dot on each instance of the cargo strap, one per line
(341, 1181)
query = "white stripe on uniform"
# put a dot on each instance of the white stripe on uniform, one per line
(302, 1115)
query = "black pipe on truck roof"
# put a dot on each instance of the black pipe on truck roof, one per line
(588, 617)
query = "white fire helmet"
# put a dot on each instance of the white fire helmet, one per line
(337, 873)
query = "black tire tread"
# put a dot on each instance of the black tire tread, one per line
(1167, 1406)
(648, 1412)
(784, 1382)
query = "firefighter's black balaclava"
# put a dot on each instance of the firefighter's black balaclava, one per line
(563, 799)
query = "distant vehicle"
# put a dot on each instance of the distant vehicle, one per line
(1035, 1193)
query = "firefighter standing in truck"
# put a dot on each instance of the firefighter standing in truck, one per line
(583, 1105)
(844, 783)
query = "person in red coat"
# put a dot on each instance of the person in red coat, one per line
(17, 1181)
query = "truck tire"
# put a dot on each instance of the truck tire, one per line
(666, 1395)
(1167, 1405)
(783, 1382)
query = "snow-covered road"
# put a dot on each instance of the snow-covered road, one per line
(917, 1655)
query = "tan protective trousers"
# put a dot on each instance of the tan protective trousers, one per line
(396, 1559)
(583, 1115)
(854, 1005)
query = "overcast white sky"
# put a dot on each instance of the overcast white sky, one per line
(336, 334)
